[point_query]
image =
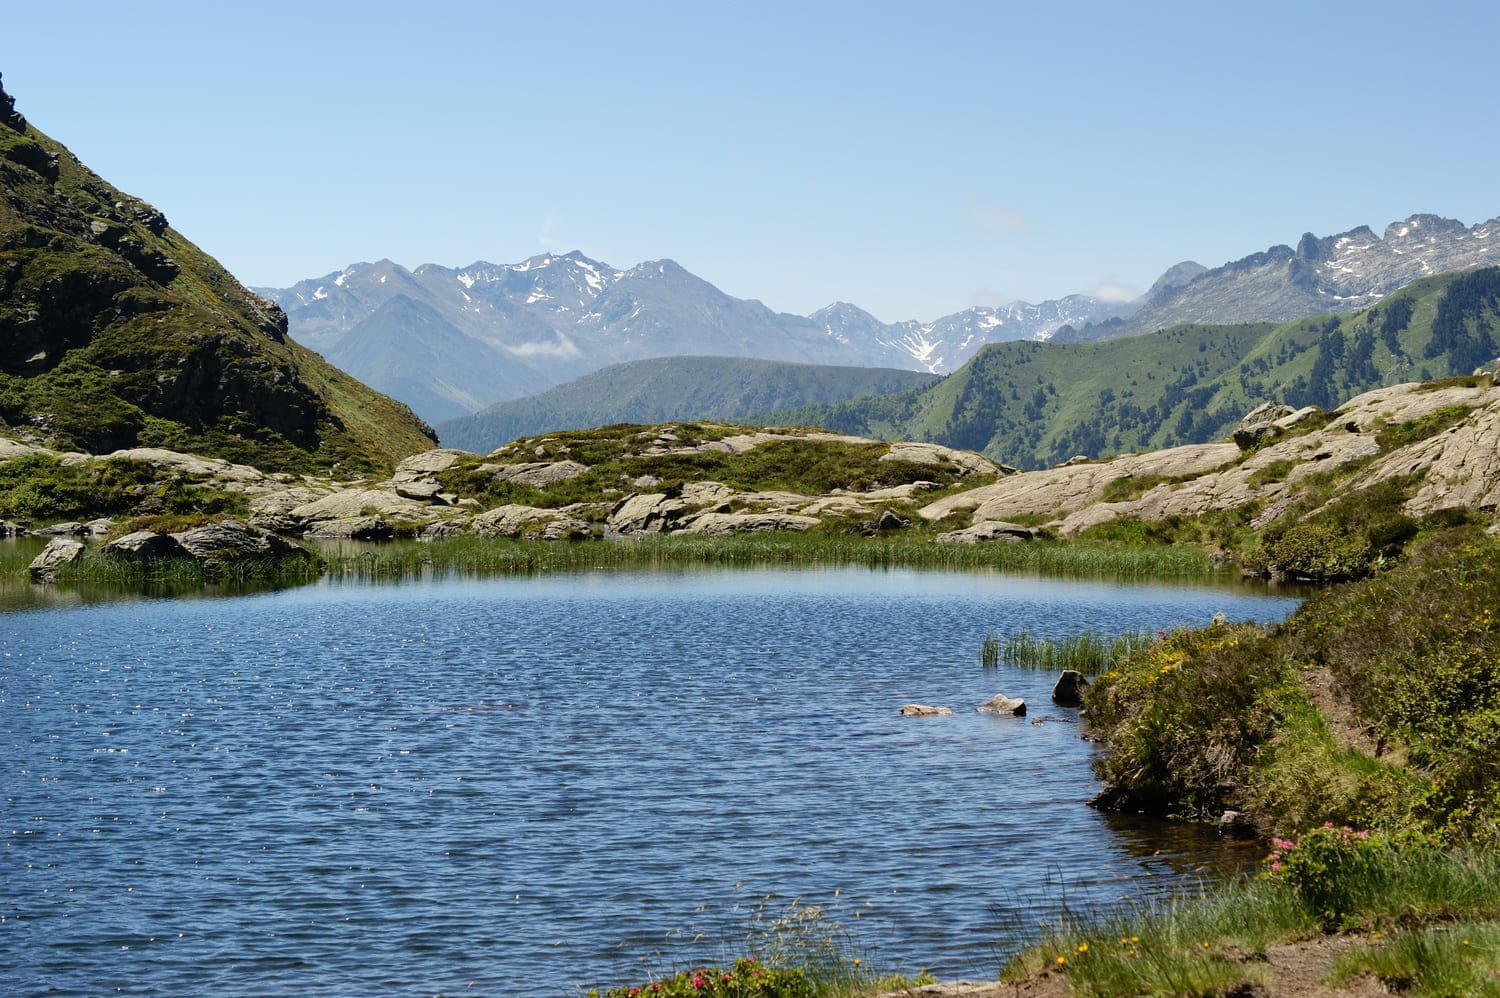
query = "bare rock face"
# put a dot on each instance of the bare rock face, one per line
(1066, 489)
(539, 474)
(744, 523)
(228, 540)
(651, 513)
(1259, 424)
(143, 545)
(60, 551)
(989, 530)
(329, 515)
(427, 463)
(1003, 706)
(530, 523)
(968, 462)
(1460, 466)
(352, 528)
(923, 710)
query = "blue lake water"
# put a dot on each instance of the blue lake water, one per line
(532, 785)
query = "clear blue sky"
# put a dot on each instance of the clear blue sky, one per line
(912, 158)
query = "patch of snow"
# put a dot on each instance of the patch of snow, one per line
(384, 278)
(339, 280)
(466, 281)
(320, 294)
(537, 296)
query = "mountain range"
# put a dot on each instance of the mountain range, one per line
(1340, 273)
(450, 341)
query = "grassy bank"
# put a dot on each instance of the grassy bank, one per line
(1422, 918)
(1377, 704)
(1363, 734)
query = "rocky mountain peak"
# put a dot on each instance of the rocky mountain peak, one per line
(9, 116)
(1175, 276)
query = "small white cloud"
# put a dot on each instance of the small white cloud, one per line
(547, 236)
(993, 299)
(1113, 292)
(984, 216)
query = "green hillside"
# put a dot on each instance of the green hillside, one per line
(667, 389)
(116, 331)
(1038, 404)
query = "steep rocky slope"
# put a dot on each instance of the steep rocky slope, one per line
(119, 332)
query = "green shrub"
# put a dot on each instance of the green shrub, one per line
(1183, 718)
(1348, 538)
(1339, 874)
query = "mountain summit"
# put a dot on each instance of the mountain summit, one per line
(119, 333)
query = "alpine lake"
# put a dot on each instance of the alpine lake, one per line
(530, 785)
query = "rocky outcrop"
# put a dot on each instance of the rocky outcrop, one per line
(536, 474)
(652, 513)
(1259, 424)
(745, 523)
(529, 523)
(1062, 490)
(989, 530)
(1457, 467)
(219, 544)
(143, 545)
(59, 553)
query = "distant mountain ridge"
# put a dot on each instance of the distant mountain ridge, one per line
(1339, 273)
(511, 330)
(715, 388)
(555, 317)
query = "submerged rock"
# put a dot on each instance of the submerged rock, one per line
(923, 710)
(1002, 705)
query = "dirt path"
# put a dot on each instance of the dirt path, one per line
(1297, 970)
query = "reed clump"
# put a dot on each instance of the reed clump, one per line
(1091, 653)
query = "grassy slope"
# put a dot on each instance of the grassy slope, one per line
(120, 332)
(671, 388)
(1037, 404)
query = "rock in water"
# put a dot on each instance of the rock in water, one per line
(922, 710)
(1002, 705)
(1068, 690)
(59, 551)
